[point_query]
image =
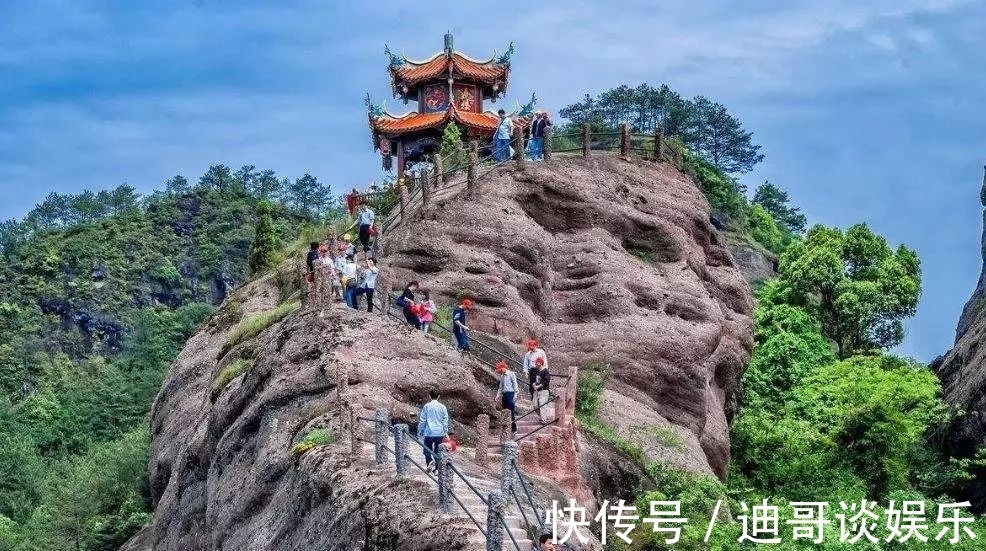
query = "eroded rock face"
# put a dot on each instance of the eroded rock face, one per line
(609, 262)
(963, 374)
(221, 474)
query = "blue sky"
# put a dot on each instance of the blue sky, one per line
(867, 111)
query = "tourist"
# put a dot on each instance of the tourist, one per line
(546, 543)
(352, 200)
(530, 369)
(542, 385)
(508, 391)
(501, 140)
(348, 279)
(433, 426)
(323, 275)
(538, 128)
(368, 283)
(427, 312)
(406, 302)
(459, 328)
(365, 221)
(339, 261)
(312, 257)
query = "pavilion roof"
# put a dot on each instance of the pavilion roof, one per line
(410, 74)
(383, 123)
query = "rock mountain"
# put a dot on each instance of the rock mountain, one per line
(612, 264)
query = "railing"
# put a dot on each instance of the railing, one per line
(446, 472)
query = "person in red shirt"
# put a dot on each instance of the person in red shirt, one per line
(352, 201)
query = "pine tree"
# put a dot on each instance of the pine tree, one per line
(265, 241)
(775, 201)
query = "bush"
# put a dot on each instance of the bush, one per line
(589, 389)
(230, 372)
(764, 229)
(314, 437)
(253, 326)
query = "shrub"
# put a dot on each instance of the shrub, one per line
(251, 327)
(592, 381)
(230, 372)
(314, 437)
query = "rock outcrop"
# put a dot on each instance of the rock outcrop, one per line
(611, 263)
(608, 262)
(963, 374)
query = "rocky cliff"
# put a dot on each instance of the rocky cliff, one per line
(963, 374)
(610, 263)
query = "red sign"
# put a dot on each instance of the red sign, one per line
(384, 146)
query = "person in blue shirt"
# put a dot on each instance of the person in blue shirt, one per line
(433, 425)
(365, 221)
(501, 140)
(459, 328)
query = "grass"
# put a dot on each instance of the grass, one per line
(314, 437)
(230, 372)
(251, 327)
(665, 436)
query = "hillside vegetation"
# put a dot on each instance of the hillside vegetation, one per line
(98, 293)
(828, 413)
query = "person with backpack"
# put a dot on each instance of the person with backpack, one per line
(427, 312)
(406, 302)
(459, 328)
(433, 427)
(365, 221)
(534, 352)
(508, 391)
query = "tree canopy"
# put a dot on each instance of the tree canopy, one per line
(702, 125)
(775, 201)
(858, 287)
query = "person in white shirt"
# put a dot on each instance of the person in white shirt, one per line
(365, 221)
(508, 391)
(530, 368)
(501, 140)
(349, 273)
(368, 283)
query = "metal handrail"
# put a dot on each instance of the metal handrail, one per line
(521, 509)
(527, 491)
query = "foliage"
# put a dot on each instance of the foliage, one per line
(775, 201)
(454, 156)
(314, 437)
(226, 376)
(308, 195)
(703, 126)
(252, 326)
(589, 390)
(725, 194)
(99, 292)
(854, 284)
(264, 245)
(764, 229)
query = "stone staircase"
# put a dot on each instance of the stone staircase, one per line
(479, 477)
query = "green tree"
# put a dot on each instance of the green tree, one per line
(775, 201)
(764, 229)
(308, 195)
(721, 138)
(857, 287)
(264, 246)
(453, 155)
